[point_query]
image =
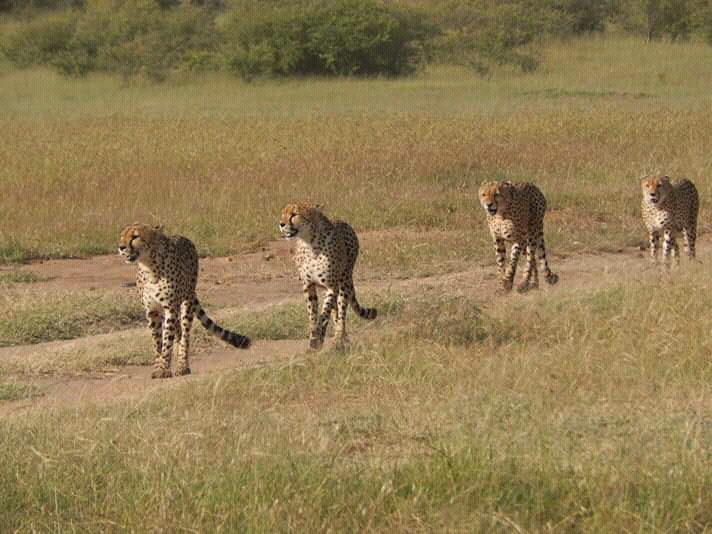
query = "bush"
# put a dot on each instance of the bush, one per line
(481, 34)
(41, 40)
(336, 37)
(142, 38)
(137, 37)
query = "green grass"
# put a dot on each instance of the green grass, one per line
(57, 314)
(15, 391)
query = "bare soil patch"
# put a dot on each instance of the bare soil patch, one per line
(256, 281)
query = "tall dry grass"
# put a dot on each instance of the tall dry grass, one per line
(544, 413)
(216, 159)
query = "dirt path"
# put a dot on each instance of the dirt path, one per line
(257, 281)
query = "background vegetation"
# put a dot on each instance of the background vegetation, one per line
(154, 38)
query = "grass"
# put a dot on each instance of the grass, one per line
(61, 314)
(20, 277)
(579, 408)
(14, 391)
(571, 422)
(204, 147)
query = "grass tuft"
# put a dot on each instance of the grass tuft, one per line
(56, 314)
(16, 391)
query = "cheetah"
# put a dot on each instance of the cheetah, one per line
(669, 206)
(325, 254)
(515, 213)
(166, 278)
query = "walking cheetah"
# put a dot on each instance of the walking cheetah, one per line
(515, 212)
(670, 206)
(166, 278)
(325, 254)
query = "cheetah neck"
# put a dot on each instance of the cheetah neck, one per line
(150, 263)
(321, 228)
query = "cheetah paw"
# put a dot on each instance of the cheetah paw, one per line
(523, 287)
(315, 343)
(342, 344)
(161, 373)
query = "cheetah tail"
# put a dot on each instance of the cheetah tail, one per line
(364, 313)
(233, 338)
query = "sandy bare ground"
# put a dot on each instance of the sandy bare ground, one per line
(256, 281)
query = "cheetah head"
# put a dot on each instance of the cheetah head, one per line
(297, 220)
(495, 196)
(655, 188)
(136, 238)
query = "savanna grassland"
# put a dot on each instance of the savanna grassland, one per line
(584, 407)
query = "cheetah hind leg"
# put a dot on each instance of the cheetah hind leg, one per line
(689, 234)
(531, 276)
(342, 302)
(183, 338)
(550, 277)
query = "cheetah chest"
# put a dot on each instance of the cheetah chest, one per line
(158, 293)
(315, 266)
(659, 219)
(501, 228)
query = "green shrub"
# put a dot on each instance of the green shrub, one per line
(136, 37)
(142, 38)
(480, 34)
(41, 40)
(360, 37)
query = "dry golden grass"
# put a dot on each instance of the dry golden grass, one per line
(217, 159)
(544, 413)
(579, 408)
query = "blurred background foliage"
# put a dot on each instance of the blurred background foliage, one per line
(257, 38)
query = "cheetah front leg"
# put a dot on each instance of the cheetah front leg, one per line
(670, 246)
(312, 310)
(508, 278)
(317, 337)
(501, 255)
(654, 238)
(155, 323)
(186, 322)
(162, 367)
(531, 276)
